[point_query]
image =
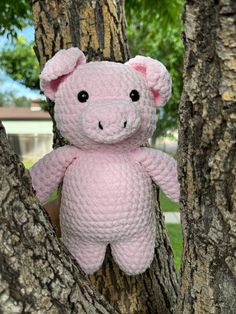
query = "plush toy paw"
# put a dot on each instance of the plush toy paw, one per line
(135, 255)
(89, 255)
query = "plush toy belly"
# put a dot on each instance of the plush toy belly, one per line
(108, 199)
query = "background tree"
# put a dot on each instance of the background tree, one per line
(45, 277)
(154, 28)
(14, 15)
(8, 99)
(20, 62)
(207, 158)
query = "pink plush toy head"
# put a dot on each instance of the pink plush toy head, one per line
(105, 104)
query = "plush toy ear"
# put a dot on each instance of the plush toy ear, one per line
(156, 76)
(61, 64)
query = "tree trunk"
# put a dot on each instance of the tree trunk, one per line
(97, 28)
(207, 158)
(37, 273)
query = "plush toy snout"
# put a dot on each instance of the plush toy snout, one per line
(110, 121)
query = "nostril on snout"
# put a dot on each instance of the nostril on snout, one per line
(125, 123)
(100, 125)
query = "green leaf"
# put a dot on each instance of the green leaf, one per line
(14, 15)
(20, 63)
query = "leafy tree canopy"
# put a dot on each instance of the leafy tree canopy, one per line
(154, 29)
(20, 63)
(14, 15)
(166, 12)
(9, 99)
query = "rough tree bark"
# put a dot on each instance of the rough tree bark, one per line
(207, 158)
(97, 27)
(37, 274)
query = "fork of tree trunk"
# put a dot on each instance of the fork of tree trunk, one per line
(38, 275)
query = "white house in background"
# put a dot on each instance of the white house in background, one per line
(29, 130)
(167, 144)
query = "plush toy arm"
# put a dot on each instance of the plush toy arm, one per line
(162, 169)
(49, 171)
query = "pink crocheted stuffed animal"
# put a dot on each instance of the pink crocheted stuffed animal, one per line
(106, 110)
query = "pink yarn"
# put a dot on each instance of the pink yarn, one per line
(106, 110)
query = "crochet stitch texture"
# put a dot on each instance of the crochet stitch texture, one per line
(106, 110)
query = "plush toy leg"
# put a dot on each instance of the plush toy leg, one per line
(135, 255)
(89, 255)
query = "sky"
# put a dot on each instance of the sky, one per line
(9, 84)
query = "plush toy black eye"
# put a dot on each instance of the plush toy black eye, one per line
(83, 96)
(134, 95)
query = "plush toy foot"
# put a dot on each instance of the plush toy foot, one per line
(135, 255)
(89, 255)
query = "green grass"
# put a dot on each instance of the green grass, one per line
(175, 236)
(53, 196)
(167, 205)
(28, 163)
